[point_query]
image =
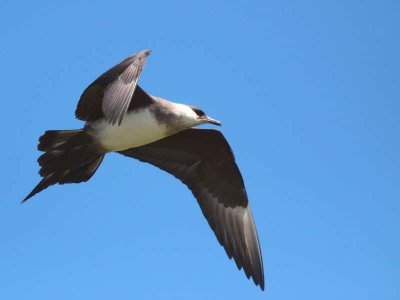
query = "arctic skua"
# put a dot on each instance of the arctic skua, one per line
(121, 117)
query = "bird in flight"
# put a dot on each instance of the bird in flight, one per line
(121, 117)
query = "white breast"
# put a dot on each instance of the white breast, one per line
(137, 128)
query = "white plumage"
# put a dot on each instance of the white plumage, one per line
(137, 128)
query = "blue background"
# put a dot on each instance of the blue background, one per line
(309, 96)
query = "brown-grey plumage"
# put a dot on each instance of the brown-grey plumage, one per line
(71, 156)
(121, 117)
(112, 91)
(203, 160)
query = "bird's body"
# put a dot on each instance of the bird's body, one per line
(143, 126)
(121, 117)
(137, 129)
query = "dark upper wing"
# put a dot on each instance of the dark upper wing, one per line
(111, 93)
(203, 160)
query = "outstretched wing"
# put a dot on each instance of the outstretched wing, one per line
(110, 94)
(203, 160)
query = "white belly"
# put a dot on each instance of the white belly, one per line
(137, 129)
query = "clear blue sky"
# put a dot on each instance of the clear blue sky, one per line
(309, 96)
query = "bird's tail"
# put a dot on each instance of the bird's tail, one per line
(71, 156)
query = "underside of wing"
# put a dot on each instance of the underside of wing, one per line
(111, 93)
(203, 160)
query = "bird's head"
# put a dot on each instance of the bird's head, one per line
(202, 117)
(181, 116)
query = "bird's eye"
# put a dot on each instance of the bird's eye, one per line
(199, 112)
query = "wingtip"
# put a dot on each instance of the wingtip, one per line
(144, 53)
(258, 281)
(262, 285)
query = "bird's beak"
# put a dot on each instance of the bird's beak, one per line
(213, 121)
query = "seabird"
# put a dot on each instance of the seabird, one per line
(121, 117)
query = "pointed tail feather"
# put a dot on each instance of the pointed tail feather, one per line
(71, 156)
